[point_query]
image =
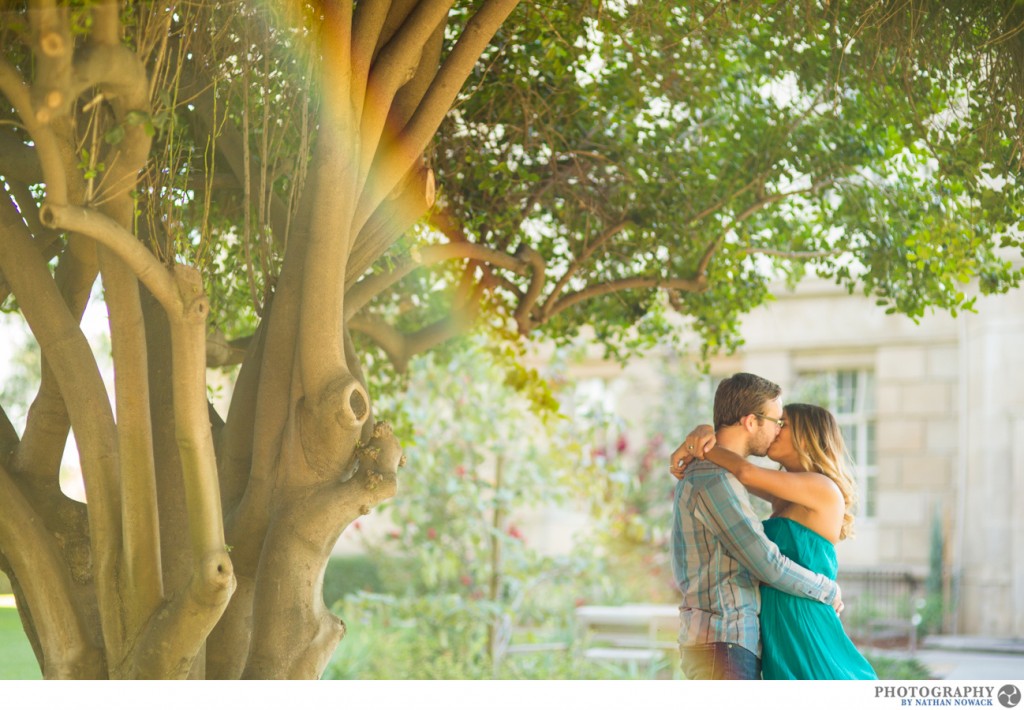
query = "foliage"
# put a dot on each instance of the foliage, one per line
(436, 637)
(457, 533)
(661, 144)
(356, 573)
(895, 668)
(636, 532)
(933, 611)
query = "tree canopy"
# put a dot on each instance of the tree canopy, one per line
(291, 188)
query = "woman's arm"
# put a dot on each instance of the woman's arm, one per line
(697, 442)
(812, 490)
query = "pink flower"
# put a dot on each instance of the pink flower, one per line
(432, 533)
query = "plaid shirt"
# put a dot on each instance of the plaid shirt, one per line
(719, 553)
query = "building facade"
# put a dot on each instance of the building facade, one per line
(933, 413)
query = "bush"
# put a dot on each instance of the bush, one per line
(382, 574)
(890, 668)
(447, 636)
(419, 637)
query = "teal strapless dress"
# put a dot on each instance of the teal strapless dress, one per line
(803, 639)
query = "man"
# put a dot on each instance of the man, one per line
(719, 549)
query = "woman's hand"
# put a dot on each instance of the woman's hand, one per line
(698, 442)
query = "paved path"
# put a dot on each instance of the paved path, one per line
(971, 658)
(973, 665)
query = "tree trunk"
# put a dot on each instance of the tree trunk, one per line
(202, 548)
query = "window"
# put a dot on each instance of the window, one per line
(850, 396)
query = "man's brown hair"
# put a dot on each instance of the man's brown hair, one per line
(740, 395)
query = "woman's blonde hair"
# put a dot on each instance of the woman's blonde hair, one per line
(819, 443)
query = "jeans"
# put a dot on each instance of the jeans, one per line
(719, 661)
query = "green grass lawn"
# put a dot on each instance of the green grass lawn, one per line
(17, 662)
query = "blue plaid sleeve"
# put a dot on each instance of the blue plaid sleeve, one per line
(730, 516)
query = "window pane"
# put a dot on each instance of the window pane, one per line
(849, 432)
(811, 388)
(846, 392)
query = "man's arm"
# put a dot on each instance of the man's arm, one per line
(720, 507)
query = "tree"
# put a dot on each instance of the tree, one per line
(246, 181)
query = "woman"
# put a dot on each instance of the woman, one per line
(811, 500)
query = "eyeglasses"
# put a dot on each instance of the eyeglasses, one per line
(780, 423)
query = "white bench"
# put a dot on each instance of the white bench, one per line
(639, 635)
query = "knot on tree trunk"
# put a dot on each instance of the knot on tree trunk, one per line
(329, 426)
(215, 579)
(379, 460)
(195, 306)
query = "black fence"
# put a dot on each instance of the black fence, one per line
(883, 606)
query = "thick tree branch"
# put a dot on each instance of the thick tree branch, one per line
(17, 92)
(393, 67)
(397, 160)
(276, 393)
(237, 436)
(42, 447)
(537, 277)
(367, 23)
(191, 415)
(105, 231)
(402, 347)
(796, 255)
(371, 286)
(392, 219)
(692, 285)
(52, 46)
(328, 240)
(452, 76)
(245, 527)
(588, 251)
(67, 352)
(175, 635)
(221, 352)
(43, 577)
(356, 368)
(336, 40)
(411, 93)
(122, 79)
(106, 24)
(293, 616)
